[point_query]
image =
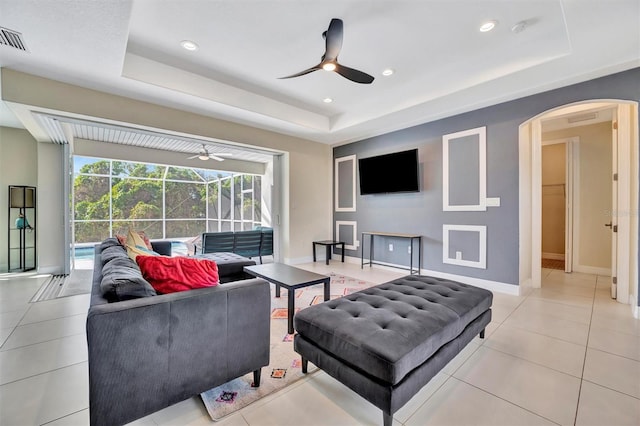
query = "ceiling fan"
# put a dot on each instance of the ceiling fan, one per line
(329, 61)
(204, 155)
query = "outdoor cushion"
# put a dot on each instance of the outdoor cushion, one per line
(228, 263)
(390, 329)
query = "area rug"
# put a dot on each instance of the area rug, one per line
(285, 364)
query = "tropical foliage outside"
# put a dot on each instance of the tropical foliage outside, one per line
(112, 196)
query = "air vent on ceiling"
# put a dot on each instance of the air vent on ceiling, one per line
(12, 39)
(583, 117)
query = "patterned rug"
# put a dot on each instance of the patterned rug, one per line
(285, 365)
(553, 264)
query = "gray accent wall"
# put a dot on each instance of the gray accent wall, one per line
(421, 212)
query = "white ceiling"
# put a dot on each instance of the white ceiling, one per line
(443, 64)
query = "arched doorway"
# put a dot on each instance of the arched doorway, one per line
(625, 204)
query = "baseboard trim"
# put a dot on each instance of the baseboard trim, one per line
(511, 289)
(553, 256)
(636, 311)
(594, 270)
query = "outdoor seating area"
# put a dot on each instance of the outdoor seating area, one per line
(253, 243)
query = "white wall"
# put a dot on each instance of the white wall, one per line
(51, 220)
(18, 166)
(593, 196)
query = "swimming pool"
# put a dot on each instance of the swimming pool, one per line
(87, 252)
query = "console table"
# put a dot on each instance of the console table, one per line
(410, 237)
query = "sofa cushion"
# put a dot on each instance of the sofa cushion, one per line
(109, 242)
(110, 253)
(390, 329)
(121, 281)
(172, 274)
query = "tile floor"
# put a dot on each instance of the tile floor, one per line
(563, 354)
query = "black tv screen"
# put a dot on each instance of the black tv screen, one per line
(396, 172)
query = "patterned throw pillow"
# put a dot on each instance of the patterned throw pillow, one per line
(139, 238)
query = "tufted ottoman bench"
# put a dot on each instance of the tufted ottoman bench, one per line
(388, 341)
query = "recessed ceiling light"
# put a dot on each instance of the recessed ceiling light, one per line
(189, 45)
(488, 26)
(327, 100)
(387, 72)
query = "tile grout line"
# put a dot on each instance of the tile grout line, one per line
(45, 372)
(38, 343)
(584, 362)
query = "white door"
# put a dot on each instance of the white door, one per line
(613, 223)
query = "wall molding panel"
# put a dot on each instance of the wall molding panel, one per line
(345, 188)
(458, 149)
(459, 259)
(349, 243)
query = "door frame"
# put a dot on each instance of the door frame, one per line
(530, 196)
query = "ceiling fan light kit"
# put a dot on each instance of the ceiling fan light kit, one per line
(205, 155)
(329, 61)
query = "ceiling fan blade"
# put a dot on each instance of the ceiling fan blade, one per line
(333, 38)
(307, 71)
(193, 156)
(223, 154)
(354, 75)
(215, 157)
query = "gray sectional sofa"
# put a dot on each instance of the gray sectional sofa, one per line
(146, 353)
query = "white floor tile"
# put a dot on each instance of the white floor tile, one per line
(626, 345)
(45, 397)
(601, 406)
(547, 351)
(612, 371)
(570, 331)
(622, 323)
(182, 413)
(464, 355)
(581, 314)
(11, 319)
(572, 277)
(320, 401)
(556, 296)
(57, 308)
(20, 363)
(44, 331)
(407, 410)
(458, 403)
(539, 389)
(81, 418)
(4, 335)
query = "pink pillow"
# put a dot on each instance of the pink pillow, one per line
(171, 274)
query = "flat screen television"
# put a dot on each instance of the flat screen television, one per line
(395, 172)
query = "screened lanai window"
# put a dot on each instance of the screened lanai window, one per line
(110, 196)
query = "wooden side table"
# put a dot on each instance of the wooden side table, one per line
(329, 244)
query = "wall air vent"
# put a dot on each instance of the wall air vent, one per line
(12, 39)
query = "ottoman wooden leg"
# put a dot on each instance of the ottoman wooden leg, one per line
(305, 365)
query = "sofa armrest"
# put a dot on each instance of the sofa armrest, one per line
(197, 338)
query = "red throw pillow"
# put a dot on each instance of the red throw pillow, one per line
(171, 274)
